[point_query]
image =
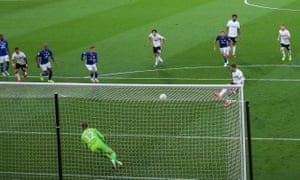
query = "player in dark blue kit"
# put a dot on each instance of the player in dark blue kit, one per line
(4, 57)
(91, 60)
(42, 61)
(225, 44)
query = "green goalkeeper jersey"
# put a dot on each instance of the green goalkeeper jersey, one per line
(90, 136)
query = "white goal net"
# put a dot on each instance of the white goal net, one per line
(186, 134)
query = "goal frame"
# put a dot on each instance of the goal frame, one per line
(241, 103)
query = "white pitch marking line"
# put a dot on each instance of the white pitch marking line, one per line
(107, 76)
(272, 8)
(154, 136)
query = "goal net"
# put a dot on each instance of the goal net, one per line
(188, 135)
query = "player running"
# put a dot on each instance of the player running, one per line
(284, 38)
(91, 60)
(233, 32)
(238, 78)
(4, 56)
(42, 61)
(156, 41)
(224, 43)
(21, 63)
(94, 141)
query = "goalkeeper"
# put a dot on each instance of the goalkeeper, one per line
(94, 141)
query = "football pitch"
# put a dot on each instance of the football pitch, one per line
(119, 29)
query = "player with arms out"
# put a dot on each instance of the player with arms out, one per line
(94, 141)
(233, 32)
(21, 63)
(237, 78)
(156, 41)
(42, 61)
(91, 60)
(4, 57)
(284, 37)
(224, 43)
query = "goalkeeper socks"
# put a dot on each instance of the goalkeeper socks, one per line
(50, 76)
(7, 66)
(112, 156)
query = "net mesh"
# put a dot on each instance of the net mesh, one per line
(190, 135)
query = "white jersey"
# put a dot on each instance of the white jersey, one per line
(156, 40)
(238, 77)
(233, 27)
(284, 37)
(20, 58)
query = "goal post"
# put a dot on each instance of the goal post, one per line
(188, 134)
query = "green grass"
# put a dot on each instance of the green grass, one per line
(119, 30)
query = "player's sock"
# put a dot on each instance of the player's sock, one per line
(225, 60)
(1, 68)
(7, 67)
(91, 75)
(50, 76)
(233, 50)
(18, 76)
(223, 91)
(156, 61)
(112, 156)
(96, 75)
(43, 73)
(161, 60)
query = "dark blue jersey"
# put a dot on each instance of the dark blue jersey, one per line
(223, 41)
(3, 48)
(44, 56)
(90, 58)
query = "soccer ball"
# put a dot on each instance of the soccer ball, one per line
(163, 97)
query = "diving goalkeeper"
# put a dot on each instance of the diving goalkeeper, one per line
(94, 141)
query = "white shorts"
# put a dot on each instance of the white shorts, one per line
(224, 50)
(45, 67)
(92, 67)
(4, 59)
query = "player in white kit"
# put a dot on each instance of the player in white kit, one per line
(233, 32)
(237, 78)
(284, 37)
(156, 41)
(21, 63)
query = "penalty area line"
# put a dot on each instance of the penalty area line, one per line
(272, 8)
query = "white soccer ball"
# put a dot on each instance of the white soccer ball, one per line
(163, 97)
